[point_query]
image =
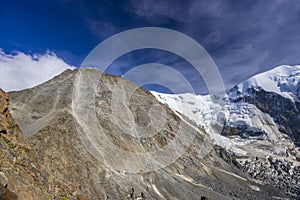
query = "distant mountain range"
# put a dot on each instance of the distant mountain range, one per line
(88, 135)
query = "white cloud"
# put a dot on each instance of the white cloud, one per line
(20, 71)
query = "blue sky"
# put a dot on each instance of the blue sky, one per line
(243, 37)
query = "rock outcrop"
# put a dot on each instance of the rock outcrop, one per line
(65, 154)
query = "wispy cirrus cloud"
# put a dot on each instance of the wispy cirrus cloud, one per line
(175, 10)
(243, 37)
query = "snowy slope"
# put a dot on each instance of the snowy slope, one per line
(283, 80)
(206, 113)
(200, 110)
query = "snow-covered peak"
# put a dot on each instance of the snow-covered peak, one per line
(212, 115)
(283, 80)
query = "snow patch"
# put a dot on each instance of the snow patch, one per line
(283, 80)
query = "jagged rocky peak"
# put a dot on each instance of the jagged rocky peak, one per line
(91, 135)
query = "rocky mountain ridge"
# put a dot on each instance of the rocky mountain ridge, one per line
(56, 159)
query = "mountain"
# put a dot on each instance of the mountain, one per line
(89, 135)
(283, 80)
(277, 93)
(258, 120)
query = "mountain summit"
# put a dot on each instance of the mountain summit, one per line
(283, 80)
(89, 135)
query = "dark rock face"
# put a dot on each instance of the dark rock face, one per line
(205, 198)
(284, 111)
(243, 131)
(54, 160)
(227, 156)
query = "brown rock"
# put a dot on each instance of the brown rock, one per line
(83, 197)
(28, 195)
(6, 194)
(3, 101)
